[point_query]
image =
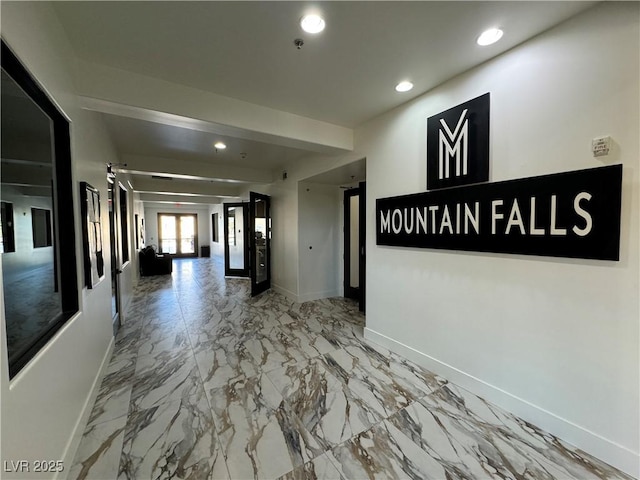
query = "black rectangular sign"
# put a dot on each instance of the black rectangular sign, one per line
(458, 145)
(573, 214)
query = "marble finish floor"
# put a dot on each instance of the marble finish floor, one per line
(208, 383)
(31, 304)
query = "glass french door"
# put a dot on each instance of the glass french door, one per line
(236, 248)
(247, 241)
(178, 234)
(260, 242)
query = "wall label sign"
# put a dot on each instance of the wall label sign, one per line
(572, 214)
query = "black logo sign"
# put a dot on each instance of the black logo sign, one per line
(572, 214)
(458, 145)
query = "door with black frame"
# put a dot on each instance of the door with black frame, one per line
(236, 248)
(260, 242)
(247, 241)
(114, 234)
(354, 244)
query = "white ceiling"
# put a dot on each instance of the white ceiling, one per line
(244, 50)
(347, 175)
(139, 137)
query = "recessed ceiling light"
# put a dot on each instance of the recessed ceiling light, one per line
(219, 146)
(312, 23)
(489, 36)
(404, 86)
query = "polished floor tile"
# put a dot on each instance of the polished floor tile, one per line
(319, 467)
(98, 455)
(384, 452)
(324, 403)
(206, 382)
(172, 440)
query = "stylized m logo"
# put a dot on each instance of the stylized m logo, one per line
(453, 146)
(458, 145)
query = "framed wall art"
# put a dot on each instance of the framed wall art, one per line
(91, 235)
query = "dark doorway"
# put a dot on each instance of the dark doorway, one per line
(354, 244)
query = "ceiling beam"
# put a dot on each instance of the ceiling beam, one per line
(184, 188)
(180, 199)
(186, 170)
(118, 92)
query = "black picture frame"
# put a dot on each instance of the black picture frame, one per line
(91, 235)
(136, 231)
(214, 227)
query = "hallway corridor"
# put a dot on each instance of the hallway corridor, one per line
(208, 383)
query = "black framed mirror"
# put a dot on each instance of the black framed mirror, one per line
(39, 273)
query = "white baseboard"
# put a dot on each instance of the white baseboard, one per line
(590, 442)
(83, 419)
(308, 297)
(287, 293)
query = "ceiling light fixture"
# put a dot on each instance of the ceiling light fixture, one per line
(219, 146)
(489, 37)
(404, 86)
(312, 23)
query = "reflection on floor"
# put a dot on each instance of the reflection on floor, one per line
(30, 303)
(206, 382)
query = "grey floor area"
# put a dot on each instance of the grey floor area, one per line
(208, 383)
(31, 304)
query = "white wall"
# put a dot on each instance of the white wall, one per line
(553, 340)
(284, 237)
(201, 211)
(44, 407)
(319, 230)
